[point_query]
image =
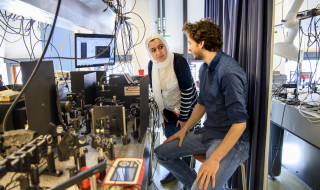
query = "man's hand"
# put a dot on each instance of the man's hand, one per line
(206, 172)
(178, 135)
(181, 123)
(210, 167)
(165, 119)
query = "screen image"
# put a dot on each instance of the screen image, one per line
(124, 174)
(98, 48)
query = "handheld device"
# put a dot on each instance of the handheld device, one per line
(125, 173)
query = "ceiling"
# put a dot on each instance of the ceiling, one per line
(88, 14)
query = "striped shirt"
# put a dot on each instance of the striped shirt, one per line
(186, 84)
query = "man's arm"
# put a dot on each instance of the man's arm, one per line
(210, 167)
(196, 115)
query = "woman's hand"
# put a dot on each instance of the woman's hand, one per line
(165, 119)
(181, 123)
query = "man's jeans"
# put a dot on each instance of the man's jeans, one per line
(169, 155)
(169, 130)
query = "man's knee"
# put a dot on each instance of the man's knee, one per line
(163, 152)
(159, 153)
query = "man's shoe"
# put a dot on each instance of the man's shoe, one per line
(169, 177)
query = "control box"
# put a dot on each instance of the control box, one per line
(125, 173)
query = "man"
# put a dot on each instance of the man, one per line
(173, 88)
(223, 97)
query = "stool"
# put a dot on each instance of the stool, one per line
(202, 158)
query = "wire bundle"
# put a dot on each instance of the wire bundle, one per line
(123, 33)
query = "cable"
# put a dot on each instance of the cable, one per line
(5, 31)
(4, 83)
(279, 64)
(133, 5)
(60, 63)
(30, 55)
(18, 72)
(312, 38)
(34, 70)
(15, 80)
(9, 41)
(9, 59)
(312, 119)
(26, 31)
(59, 57)
(30, 37)
(135, 50)
(155, 122)
(70, 39)
(11, 181)
(126, 44)
(144, 32)
(137, 58)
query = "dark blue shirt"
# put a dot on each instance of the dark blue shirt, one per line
(223, 92)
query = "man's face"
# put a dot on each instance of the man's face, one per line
(195, 48)
(158, 50)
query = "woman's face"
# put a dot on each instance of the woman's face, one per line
(158, 50)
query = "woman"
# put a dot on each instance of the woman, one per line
(173, 87)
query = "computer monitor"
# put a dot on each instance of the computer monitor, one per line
(94, 50)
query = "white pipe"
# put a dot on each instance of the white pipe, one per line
(287, 49)
(291, 22)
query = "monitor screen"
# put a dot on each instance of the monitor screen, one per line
(124, 174)
(93, 50)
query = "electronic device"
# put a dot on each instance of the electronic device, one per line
(93, 50)
(125, 173)
(109, 118)
(130, 94)
(306, 75)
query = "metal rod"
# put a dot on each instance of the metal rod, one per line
(163, 17)
(81, 176)
(124, 121)
(185, 40)
(159, 17)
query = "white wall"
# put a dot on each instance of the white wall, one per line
(142, 8)
(17, 49)
(174, 19)
(195, 10)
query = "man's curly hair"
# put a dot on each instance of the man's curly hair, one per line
(205, 30)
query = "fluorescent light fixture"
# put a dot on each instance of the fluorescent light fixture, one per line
(287, 49)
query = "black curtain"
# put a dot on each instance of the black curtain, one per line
(247, 31)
